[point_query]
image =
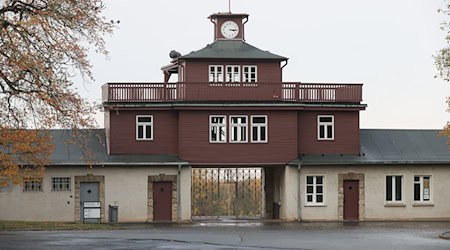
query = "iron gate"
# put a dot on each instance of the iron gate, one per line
(227, 192)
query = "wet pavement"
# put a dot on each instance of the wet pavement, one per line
(241, 235)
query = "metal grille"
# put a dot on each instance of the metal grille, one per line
(227, 192)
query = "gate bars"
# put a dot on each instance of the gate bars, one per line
(227, 193)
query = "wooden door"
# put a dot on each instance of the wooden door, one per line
(351, 200)
(162, 201)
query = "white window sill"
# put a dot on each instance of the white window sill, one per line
(395, 205)
(423, 204)
(316, 205)
(144, 139)
(325, 139)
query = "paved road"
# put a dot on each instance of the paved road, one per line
(249, 235)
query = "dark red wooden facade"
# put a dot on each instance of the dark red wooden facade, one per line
(181, 112)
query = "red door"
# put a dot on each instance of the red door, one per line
(351, 200)
(162, 201)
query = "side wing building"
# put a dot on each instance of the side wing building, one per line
(229, 139)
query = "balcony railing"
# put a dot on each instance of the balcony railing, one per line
(193, 91)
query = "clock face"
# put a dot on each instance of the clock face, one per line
(229, 29)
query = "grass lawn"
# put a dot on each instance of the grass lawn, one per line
(50, 226)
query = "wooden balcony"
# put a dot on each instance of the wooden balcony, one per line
(193, 91)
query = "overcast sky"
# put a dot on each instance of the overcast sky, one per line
(386, 44)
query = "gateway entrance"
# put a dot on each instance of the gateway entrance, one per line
(235, 193)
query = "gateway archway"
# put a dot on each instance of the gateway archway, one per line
(235, 193)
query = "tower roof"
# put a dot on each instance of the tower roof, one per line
(227, 14)
(232, 49)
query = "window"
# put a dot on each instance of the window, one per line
(249, 74)
(233, 74)
(32, 185)
(238, 129)
(60, 183)
(215, 73)
(422, 188)
(314, 190)
(394, 188)
(259, 128)
(325, 127)
(144, 127)
(217, 128)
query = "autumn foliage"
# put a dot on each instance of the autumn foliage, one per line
(442, 62)
(43, 45)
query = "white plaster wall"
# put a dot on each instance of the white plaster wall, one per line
(289, 198)
(440, 197)
(124, 186)
(328, 211)
(375, 207)
(185, 194)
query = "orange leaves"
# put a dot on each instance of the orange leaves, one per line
(29, 148)
(42, 44)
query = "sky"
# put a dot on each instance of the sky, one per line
(386, 45)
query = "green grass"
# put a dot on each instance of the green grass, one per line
(50, 226)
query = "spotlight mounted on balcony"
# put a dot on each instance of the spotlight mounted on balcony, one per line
(174, 54)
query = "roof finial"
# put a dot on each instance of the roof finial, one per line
(229, 6)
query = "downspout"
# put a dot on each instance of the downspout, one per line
(179, 194)
(243, 30)
(285, 64)
(299, 205)
(215, 28)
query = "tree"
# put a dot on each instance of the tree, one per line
(442, 62)
(43, 45)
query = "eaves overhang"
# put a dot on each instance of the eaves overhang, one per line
(124, 163)
(367, 163)
(113, 105)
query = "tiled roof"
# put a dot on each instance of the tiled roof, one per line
(67, 152)
(385, 146)
(378, 146)
(232, 49)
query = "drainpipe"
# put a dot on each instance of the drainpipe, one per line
(243, 30)
(179, 194)
(215, 28)
(299, 205)
(285, 64)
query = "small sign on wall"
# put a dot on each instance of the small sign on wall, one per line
(91, 204)
(92, 213)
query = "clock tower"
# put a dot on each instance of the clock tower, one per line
(229, 26)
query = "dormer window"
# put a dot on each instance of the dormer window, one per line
(249, 74)
(215, 73)
(233, 74)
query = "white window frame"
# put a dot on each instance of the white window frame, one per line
(233, 72)
(315, 193)
(61, 183)
(218, 127)
(33, 185)
(240, 128)
(422, 194)
(246, 77)
(258, 126)
(144, 125)
(215, 76)
(325, 125)
(393, 191)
